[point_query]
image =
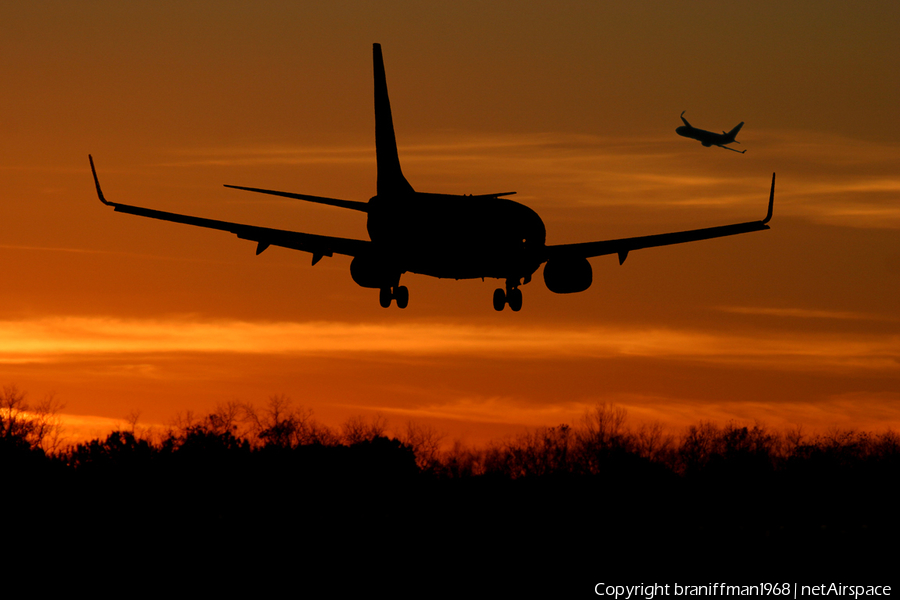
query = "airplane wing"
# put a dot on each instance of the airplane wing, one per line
(625, 245)
(317, 245)
(732, 149)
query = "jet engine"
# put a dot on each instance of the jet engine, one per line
(568, 275)
(369, 272)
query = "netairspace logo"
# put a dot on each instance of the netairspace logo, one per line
(784, 590)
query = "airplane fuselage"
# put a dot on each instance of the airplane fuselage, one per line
(457, 237)
(707, 138)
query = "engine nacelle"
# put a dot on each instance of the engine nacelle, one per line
(568, 275)
(369, 272)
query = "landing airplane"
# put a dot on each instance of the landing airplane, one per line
(441, 235)
(708, 138)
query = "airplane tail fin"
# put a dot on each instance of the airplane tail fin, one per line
(683, 119)
(731, 134)
(390, 178)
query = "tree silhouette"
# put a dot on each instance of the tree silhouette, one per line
(240, 477)
(36, 426)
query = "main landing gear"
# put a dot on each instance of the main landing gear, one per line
(512, 296)
(398, 293)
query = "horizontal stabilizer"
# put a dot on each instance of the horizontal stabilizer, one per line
(500, 195)
(351, 204)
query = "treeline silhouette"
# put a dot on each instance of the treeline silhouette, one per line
(716, 496)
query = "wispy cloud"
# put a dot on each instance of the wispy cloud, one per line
(488, 410)
(58, 338)
(805, 313)
(83, 428)
(269, 155)
(826, 178)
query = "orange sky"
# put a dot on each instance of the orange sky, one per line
(574, 106)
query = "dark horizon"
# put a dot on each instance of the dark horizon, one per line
(722, 502)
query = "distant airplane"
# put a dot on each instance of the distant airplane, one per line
(442, 235)
(708, 138)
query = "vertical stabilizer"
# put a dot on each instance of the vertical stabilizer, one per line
(390, 178)
(733, 133)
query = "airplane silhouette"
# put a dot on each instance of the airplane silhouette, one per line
(708, 138)
(441, 235)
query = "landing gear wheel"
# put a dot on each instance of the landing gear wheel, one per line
(514, 298)
(384, 297)
(499, 299)
(401, 295)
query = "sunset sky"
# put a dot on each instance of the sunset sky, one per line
(571, 104)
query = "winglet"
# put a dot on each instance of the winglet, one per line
(97, 182)
(771, 201)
